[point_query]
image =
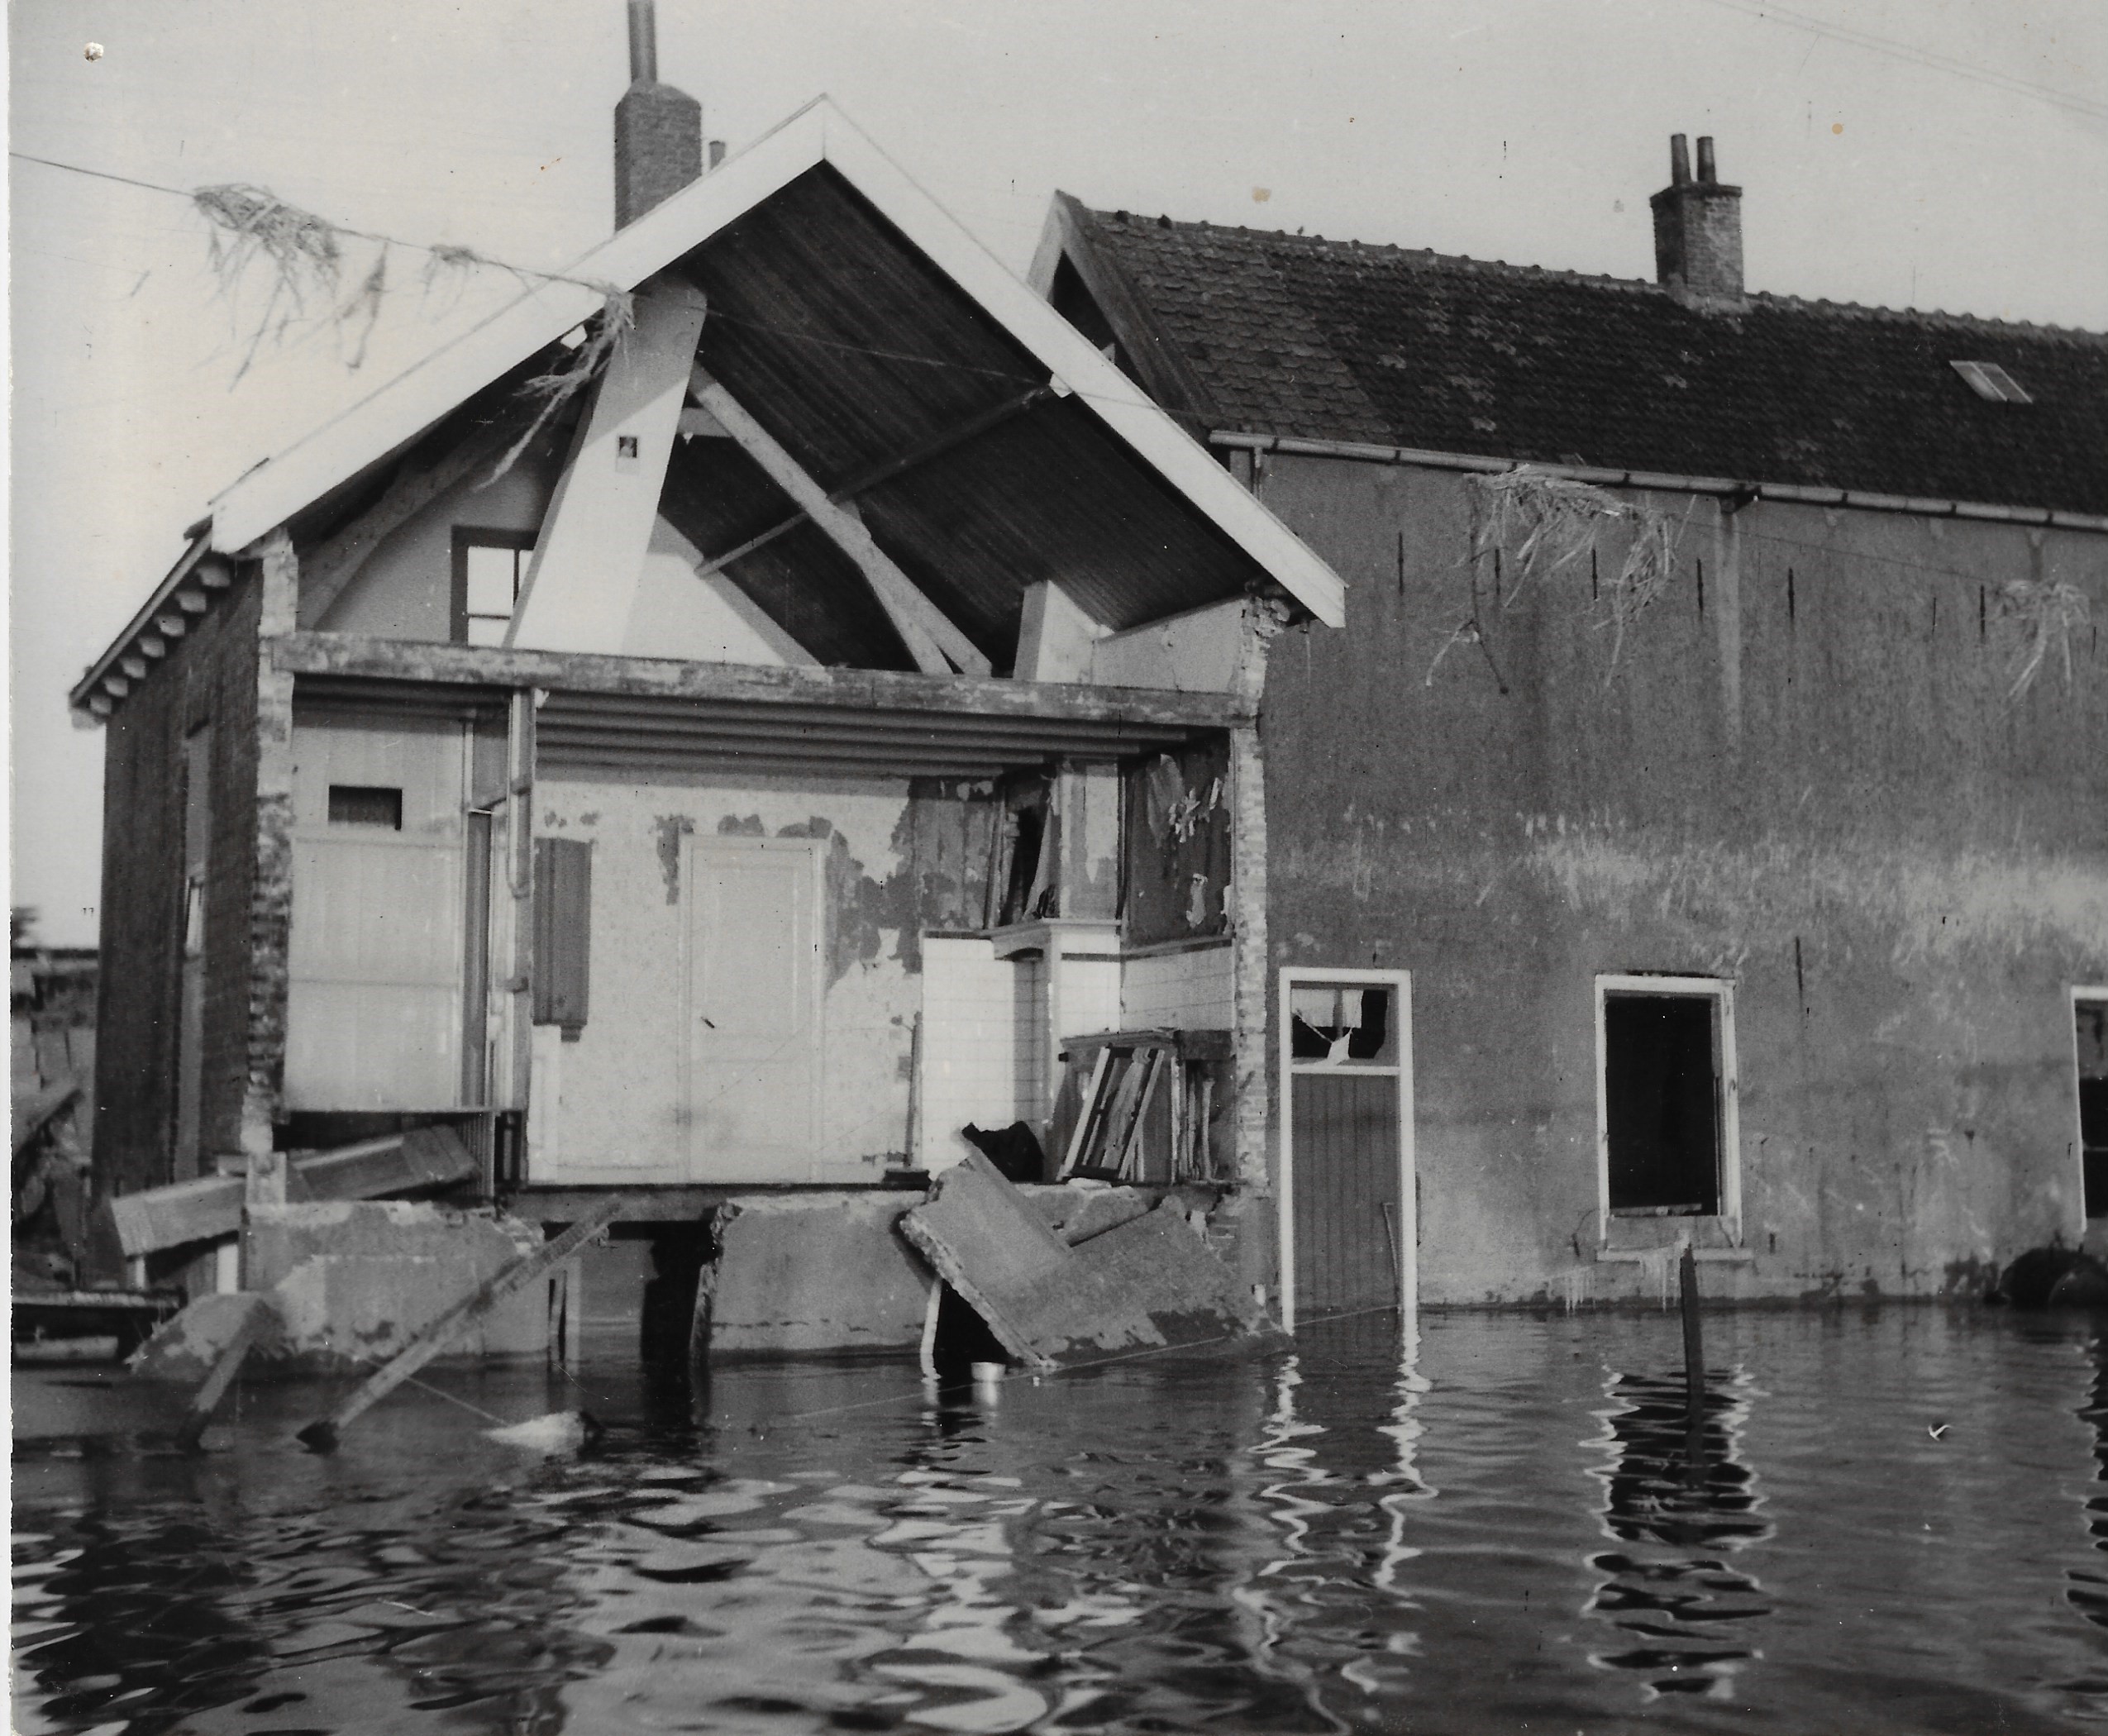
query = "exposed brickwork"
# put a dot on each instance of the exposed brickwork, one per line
(207, 678)
(267, 909)
(658, 147)
(1698, 240)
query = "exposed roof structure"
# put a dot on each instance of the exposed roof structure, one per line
(1261, 332)
(986, 442)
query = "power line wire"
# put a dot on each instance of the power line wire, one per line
(1916, 54)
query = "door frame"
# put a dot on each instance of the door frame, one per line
(2079, 992)
(1400, 982)
(694, 844)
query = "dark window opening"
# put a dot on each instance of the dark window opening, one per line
(1662, 1102)
(2093, 1104)
(1339, 1024)
(366, 804)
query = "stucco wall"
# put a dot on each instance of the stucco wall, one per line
(1803, 774)
(895, 861)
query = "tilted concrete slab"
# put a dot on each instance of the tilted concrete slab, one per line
(811, 1272)
(1149, 1283)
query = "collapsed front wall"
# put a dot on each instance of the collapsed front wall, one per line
(1802, 777)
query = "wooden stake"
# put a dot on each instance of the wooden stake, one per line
(322, 1436)
(215, 1389)
(1694, 1353)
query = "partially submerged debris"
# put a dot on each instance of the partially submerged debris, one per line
(1150, 1283)
(321, 1435)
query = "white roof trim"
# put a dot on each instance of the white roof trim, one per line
(397, 410)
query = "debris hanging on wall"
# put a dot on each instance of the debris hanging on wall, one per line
(1544, 522)
(2037, 615)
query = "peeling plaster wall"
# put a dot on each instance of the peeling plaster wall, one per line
(1802, 774)
(897, 861)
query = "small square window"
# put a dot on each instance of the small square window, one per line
(366, 804)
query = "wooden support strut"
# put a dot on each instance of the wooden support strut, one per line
(208, 1398)
(323, 1435)
(931, 636)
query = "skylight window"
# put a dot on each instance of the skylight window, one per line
(1988, 379)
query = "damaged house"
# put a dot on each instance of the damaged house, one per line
(1717, 749)
(728, 786)
(1476, 776)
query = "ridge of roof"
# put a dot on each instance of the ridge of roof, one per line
(1430, 259)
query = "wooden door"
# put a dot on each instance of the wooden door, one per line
(374, 1003)
(1349, 1240)
(753, 1014)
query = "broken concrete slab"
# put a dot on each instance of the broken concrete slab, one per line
(355, 1279)
(811, 1272)
(1148, 1283)
(186, 1348)
(1077, 1213)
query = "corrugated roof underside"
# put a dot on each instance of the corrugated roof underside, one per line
(853, 350)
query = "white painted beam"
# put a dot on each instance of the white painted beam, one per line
(931, 636)
(1055, 637)
(590, 555)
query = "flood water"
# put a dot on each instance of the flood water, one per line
(1895, 1520)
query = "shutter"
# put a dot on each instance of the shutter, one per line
(563, 917)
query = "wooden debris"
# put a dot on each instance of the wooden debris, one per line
(210, 1207)
(1151, 1283)
(209, 1395)
(1121, 1133)
(322, 1436)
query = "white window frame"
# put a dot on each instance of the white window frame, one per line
(1400, 983)
(1720, 990)
(2080, 992)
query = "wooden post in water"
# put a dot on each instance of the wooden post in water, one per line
(209, 1395)
(321, 1436)
(1694, 1358)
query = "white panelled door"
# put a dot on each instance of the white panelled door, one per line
(753, 1014)
(373, 1018)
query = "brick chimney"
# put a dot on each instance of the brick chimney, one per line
(1698, 231)
(658, 130)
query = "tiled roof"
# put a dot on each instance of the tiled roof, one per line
(1297, 335)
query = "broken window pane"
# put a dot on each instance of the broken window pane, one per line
(364, 804)
(1661, 1086)
(1340, 1023)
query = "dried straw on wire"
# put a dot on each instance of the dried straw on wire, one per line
(2037, 614)
(1548, 522)
(305, 251)
(610, 330)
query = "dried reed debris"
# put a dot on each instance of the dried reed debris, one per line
(2036, 616)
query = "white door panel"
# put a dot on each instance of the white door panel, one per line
(753, 1014)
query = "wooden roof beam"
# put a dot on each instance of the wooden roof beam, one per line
(931, 636)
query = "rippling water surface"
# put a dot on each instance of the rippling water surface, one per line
(1896, 1520)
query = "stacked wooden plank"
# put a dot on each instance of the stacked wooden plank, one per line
(1145, 1103)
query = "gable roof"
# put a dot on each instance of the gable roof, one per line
(1302, 336)
(734, 193)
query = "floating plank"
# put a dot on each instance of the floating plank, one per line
(210, 1207)
(1148, 1284)
(322, 1436)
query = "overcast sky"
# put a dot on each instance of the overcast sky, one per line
(1947, 154)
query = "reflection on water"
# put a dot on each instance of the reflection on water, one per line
(1892, 1521)
(1677, 1501)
